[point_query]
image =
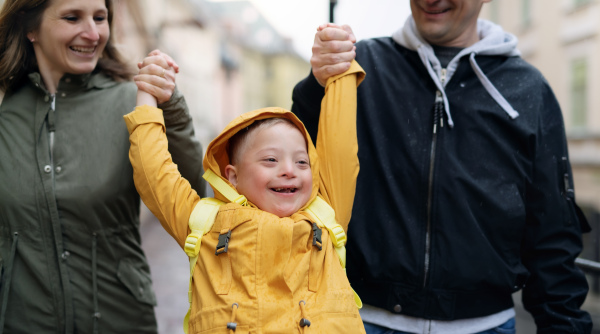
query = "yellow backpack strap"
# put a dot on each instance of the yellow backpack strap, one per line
(201, 221)
(324, 216)
(224, 188)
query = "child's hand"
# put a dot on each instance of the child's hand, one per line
(156, 78)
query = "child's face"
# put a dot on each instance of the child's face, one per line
(274, 171)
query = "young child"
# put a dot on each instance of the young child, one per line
(268, 262)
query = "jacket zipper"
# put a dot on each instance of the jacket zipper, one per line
(438, 117)
(51, 128)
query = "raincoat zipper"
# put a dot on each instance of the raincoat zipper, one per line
(438, 118)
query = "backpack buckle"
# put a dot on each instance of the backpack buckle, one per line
(223, 243)
(317, 232)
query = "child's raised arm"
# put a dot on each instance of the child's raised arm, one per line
(337, 145)
(162, 188)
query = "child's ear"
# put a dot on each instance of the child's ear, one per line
(231, 174)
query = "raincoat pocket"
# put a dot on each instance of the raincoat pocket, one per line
(137, 281)
(214, 320)
(334, 323)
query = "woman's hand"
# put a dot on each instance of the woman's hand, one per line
(156, 77)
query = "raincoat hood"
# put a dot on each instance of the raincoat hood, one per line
(493, 41)
(217, 158)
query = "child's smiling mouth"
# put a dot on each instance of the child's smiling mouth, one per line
(284, 190)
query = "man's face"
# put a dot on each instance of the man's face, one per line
(447, 22)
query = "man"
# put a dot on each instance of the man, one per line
(465, 193)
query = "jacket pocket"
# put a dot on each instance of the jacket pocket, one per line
(347, 323)
(137, 281)
(224, 330)
(214, 320)
(575, 214)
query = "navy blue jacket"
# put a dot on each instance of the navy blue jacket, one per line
(447, 225)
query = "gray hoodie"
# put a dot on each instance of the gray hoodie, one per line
(493, 41)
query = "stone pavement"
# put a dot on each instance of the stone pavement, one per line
(169, 267)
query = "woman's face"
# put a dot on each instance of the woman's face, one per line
(71, 37)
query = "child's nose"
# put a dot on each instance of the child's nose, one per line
(287, 169)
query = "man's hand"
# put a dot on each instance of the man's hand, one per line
(157, 76)
(333, 51)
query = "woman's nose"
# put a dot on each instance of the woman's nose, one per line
(90, 30)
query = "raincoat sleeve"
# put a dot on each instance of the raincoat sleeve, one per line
(183, 144)
(306, 97)
(337, 145)
(165, 192)
(556, 288)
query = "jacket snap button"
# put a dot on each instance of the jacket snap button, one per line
(65, 255)
(46, 98)
(47, 169)
(397, 308)
(63, 94)
(58, 169)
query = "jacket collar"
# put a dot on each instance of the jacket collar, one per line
(493, 40)
(75, 82)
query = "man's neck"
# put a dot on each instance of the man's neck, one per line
(445, 53)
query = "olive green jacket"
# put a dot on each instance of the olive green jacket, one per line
(70, 250)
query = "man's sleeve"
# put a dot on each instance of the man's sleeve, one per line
(183, 144)
(306, 98)
(556, 288)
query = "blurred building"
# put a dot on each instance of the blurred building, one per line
(232, 60)
(562, 39)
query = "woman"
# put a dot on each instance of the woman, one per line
(70, 255)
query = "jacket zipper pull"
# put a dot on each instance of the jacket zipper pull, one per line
(439, 102)
(443, 80)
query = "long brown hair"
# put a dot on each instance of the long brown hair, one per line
(17, 58)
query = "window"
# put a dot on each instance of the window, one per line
(579, 76)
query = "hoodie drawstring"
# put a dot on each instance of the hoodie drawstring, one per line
(6, 288)
(494, 41)
(489, 87)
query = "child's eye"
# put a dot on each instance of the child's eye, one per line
(270, 160)
(304, 163)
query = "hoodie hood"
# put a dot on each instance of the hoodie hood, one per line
(216, 157)
(493, 41)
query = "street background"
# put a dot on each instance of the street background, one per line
(236, 56)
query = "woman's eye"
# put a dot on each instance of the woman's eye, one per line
(70, 18)
(99, 18)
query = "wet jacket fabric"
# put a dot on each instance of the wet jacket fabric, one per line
(447, 221)
(271, 264)
(70, 253)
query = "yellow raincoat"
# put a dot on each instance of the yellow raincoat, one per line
(271, 264)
